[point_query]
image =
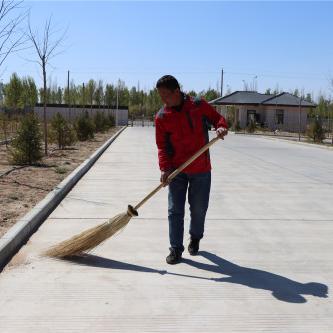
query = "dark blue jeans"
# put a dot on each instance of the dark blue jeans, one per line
(198, 186)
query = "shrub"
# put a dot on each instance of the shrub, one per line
(110, 121)
(62, 132)
(27, 145)
(100, 122)
(84, 127)
(316, 131)
(60, 170)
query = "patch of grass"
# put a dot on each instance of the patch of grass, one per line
(60, 170)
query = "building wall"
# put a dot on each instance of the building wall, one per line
(291, 118)
(268, 117)
(242, 115)
(121, 117)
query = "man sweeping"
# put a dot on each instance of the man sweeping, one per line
(181, 130)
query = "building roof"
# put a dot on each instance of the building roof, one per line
(287, 100)
(255, 98)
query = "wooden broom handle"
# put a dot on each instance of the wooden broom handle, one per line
(177, 171)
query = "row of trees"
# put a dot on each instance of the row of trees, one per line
(26, 148)
(22, 93)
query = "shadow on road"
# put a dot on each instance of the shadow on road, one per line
(282, 288)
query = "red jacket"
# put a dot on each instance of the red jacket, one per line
(181, 133)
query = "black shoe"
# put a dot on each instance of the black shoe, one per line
(193, 247)
(174, 257)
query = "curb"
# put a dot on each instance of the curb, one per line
(18, 235)
(276, 138)
(306, 144)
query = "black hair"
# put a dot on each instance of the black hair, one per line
(168, 82)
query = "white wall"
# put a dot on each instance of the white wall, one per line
(121, 117)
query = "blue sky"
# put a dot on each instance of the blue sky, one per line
(288, 44)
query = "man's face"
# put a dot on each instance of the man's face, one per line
(169, 97)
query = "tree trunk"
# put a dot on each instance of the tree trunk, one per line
(44, 113)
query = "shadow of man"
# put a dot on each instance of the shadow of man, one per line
(282, 288)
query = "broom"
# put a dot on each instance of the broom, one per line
(89, 239)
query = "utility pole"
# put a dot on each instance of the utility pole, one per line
(331, 127)
(116, 120)
(68, 100)
(222, 83)
(84, 97)
(299, 119)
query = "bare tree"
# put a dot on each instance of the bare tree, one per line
(11, 38)
(46, 47)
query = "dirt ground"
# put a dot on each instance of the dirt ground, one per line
(23, 187)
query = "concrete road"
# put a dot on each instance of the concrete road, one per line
(266, 262)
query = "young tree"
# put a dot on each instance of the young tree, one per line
(85, 127)
(99, 94)
(27, 145)
(210, 94)
(29, 94)
(59, 96)
(83, 96)
(110, 95)
(61, 131)
(13, 93)
(296, 93)
(316, 131)
(91, 89)
(308, 97)
(46, 48)
(123, 93)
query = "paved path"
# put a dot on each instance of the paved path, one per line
(266, 263)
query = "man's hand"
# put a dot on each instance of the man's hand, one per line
(164, 177)
(221, 132)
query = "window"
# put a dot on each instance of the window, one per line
(253, 116)
(279, 116)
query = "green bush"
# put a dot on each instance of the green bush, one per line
(62, 132)
(85, 127)
(316, 132)
(110, 121)
(100, 122)
(60, 170)
(27, 145)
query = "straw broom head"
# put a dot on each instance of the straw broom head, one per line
(89, 239)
